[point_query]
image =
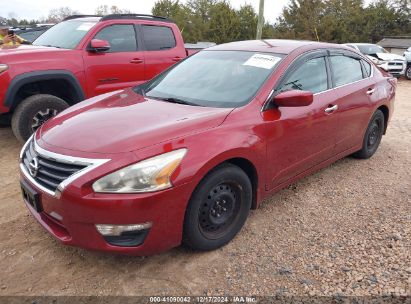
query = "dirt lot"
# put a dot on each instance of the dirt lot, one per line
(344, 230)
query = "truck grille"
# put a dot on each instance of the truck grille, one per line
(47, 172)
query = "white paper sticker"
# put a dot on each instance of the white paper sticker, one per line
(262, 61)
(85, 26)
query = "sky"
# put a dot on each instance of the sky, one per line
(29, 9)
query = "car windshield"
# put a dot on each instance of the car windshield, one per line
(225, 79)
(65, 35)
(369, 49)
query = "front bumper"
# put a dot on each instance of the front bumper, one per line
(72, 218)
(395, 68)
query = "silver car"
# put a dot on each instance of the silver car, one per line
(392, 63)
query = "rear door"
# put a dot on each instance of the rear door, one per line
(303, 136)
(352, 82)
(162, 48)
(120, 67)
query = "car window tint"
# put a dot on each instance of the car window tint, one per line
(310, 76)
(345, 69)
(122, 37)
(157, 38)
(367, 68)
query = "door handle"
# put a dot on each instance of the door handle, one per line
(370, 91)
(136, 60)
(176, 58)
(331, 109)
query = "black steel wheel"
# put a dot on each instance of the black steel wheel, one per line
(218, 208)
(372, 137)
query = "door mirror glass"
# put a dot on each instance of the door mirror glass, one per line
(294, 98)
(97, 45)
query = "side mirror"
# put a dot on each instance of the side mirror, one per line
(294, 98)
(97, 45)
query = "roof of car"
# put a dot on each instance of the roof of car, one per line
(279, 46)
(355, 43)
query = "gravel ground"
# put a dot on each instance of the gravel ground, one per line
(345, 230)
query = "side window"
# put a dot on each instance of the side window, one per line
(122, 37)
(345, 69)
(157, 38)
(367, 67)
(310, 76)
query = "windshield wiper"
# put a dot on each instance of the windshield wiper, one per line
(49, 45)
(176, 100)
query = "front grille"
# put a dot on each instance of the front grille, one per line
(47, 172)
(394, 63)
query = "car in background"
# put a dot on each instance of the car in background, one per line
(183, 157)
(31, 34)
(407, 55)
(392, 63)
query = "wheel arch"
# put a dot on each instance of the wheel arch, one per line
(384, 109)
(60, 83)
(245, 163)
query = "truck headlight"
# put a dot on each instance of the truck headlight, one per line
(3, 67)
(149, 175)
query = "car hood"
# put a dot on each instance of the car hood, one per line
(7, 50)
(388, 57)
(124, 121)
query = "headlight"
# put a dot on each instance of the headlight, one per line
(149, 175)
(3, 67)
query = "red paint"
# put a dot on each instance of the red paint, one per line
(294, 98)
(284, 144)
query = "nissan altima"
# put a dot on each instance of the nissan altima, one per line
(183, 158)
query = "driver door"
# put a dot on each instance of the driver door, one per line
(120, 67)
(303, 136)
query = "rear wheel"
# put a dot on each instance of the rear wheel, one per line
(33, 112)
(372, 137)
(408, 72)
(218, 208)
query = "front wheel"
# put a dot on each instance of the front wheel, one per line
(33, 112)
(372, 137)
(218, 208)
(408, 72)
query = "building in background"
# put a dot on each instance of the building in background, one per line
(396, 45)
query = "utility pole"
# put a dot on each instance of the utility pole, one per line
(260, 20)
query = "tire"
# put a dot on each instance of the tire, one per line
(32, 112)
(372, 137)
(408, 72)
(217, 209)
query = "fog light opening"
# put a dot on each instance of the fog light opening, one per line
(117, 230)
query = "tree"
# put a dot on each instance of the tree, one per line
(224, 24)
(58, 14)
(247, 19)
(103, 10)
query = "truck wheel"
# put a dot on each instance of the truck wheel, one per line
(34, 111)
(372, 137)
(217, 209)
(408, 72)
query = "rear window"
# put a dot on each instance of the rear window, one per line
(158, 38)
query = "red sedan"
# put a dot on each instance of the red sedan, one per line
(185, 156)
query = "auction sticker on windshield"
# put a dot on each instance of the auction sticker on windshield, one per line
(262, 61)
(85, 26)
